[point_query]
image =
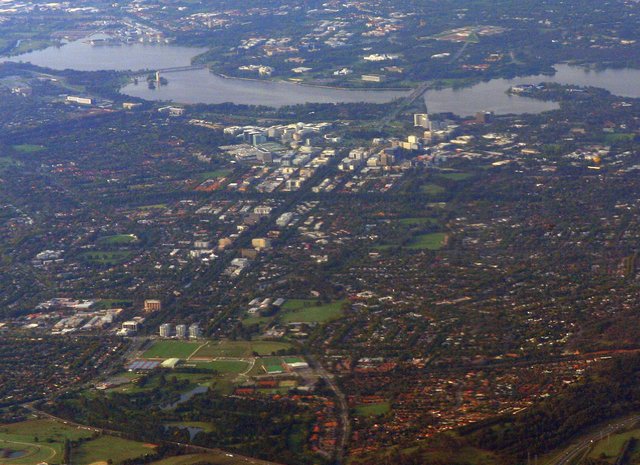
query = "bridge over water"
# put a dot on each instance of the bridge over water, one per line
(177, 69)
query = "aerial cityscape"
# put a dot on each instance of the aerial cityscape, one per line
(301, 232)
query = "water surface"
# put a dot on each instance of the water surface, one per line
(202, 86)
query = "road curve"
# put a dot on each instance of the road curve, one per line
(585, 443)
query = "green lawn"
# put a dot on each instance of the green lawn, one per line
(612, 445)
(107, 448)
(432, 189)
(619, 137)
(8, 162)
(158, 206)
(432, 241)
(255, 320)
(30, 45)
(225, 366)
(221, 173)
(171, 349)
(113, 303)
(28, 148)
(43, 440)
(193, 459)
(369, 410)
(203, 425)
(118, 239)
(102, 257)
(240, 349)
(310, 311)
(417, 221)
(455, 176)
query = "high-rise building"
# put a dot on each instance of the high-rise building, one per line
(181, 331)
(421, 120)
(165, 330)
(194, 331)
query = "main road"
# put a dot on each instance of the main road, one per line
(586, 442)
(343, 408)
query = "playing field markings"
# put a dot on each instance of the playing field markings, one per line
(197, 349)
(245, 373)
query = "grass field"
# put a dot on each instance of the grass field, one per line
(455, 176)
(118, 239)
(113, 303)
(28, 148)
(30, 45)
(171, 349)
(102, 257)
(619, 137)
(107, 448)
(193, 459)
(432, 189)
(433, 241)
(203, 425)
(225, 366)
(239, 349)
(417, 221)
(221, 173)
(612, 446)
(255, 320)
(43, 440)
(309, 311)
(158, 206)
(8, 162)
(369, 410)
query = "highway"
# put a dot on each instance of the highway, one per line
(580, 448)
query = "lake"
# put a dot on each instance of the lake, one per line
(202, 86)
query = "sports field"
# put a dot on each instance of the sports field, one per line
(171, 349)
(310, 311)
(239, 349)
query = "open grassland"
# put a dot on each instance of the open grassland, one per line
(43, 441)
(239, 349)
(8, 162)
(432, 189)
(118, 239)
(369, 410)
(310, 311)
(193, 459)
(225, 366)
(203, 425)
(221, 173)
(417, 221)
(610, 447)
(455, 176)
(28, 148)
(171, 349)
(432, 241)
(108, 448)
